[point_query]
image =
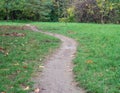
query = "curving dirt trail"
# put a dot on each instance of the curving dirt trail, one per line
(57, 76)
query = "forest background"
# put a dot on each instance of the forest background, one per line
(87, 11)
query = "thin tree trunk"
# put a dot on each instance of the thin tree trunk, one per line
(7, 10)
(7, 15)
(102, 19)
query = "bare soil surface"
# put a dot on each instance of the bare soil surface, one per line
(57, 75)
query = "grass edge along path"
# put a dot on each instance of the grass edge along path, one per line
(21, 56)
(97, 65)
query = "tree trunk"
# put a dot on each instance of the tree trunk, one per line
(8, 17)
(7, 11)
(102, 19)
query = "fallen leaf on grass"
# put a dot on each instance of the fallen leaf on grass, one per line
(41, 66)
(27, 88)
(89, 61)
(37, 90)
(16, 64)
(5, 52)
(1, 49)
(25, 67)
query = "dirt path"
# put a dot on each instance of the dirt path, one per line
(57, 76)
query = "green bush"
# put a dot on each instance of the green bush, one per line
(63, 19)
(70, 16)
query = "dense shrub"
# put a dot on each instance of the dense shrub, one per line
(97, 11)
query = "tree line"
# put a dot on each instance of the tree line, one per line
(97, 11)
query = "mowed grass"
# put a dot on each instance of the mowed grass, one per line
(97, 62)
(21, 56)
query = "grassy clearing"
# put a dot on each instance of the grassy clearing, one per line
(97, 65)
(21, 53)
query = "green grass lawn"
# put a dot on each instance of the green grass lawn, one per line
(97, 64)
(21, 56)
